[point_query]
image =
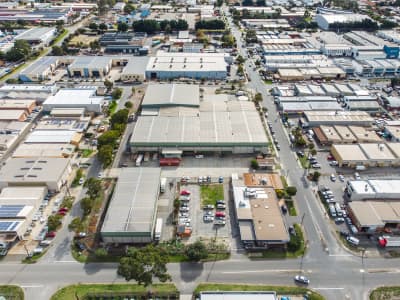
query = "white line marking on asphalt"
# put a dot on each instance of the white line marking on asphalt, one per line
(65, 261)
(32, 286)
(261, 271)
(339, 255)
(329, 288)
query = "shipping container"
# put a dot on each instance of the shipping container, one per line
(164, 162)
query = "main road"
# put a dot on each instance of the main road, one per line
(334, 272)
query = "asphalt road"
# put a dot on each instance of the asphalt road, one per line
(334, 272)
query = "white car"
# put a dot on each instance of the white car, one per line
(357, 176)
(81, 180)
(333, 177)
(333, 163)
(341, 178)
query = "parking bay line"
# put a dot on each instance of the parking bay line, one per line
(329, 288)
(262, 271)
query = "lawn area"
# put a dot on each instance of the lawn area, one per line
(112, 107)
(385, 293)
(81, 291)
(291, 207)
(268, 81)
(304, 162)
(211, 193)
(87, 152)
(280, 290)
(11, 292)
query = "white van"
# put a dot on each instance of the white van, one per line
(353, 241)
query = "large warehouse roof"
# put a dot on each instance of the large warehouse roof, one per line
(210, 128)
(26, 170)
(51, 136)
(171, 95)
(35, 33)
(90, 62)
(133, 205)
(375, 213)
(78, 96)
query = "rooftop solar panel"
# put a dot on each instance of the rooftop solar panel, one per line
(10, 211)
(8, 225)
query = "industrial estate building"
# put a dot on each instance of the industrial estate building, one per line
(38, 36)
(50, 172)
(169, 65)
(373, 189)
(259, 216)
(131, 214)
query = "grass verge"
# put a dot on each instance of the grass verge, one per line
(280, 290)
(385, 293)
(11, 292)
(113, 107)
(87, 152)
(291, 207)
(81, 291)
(211, 193)
(304, 162)
(61, 36)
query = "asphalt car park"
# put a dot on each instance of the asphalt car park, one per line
(204, 221)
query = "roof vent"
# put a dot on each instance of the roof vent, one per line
(266, 206)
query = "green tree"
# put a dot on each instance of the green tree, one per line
(101, 252)
(144, 264)
(120, 117)
(57, 51)
(108, 138)
(251, 36)
(128, 104)
(122, 27)
(291, 190)
(196, 251)
(213, 24)
(94, 45)
(148, 26)
(228, 40)
(117, 93)
(103, 26)
(254, 164)
(105, 155)
(93, 187)
(76, 225)
(86, 205)
(258, 97)
(93, 26)
(294, 243)
(240, 70)
(21, 50)
(129, 8)
(240, 60)
(108, 84)
(315, 176)
(53, 222)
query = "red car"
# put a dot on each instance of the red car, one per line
(330, 157)
(185, 193)
(51, 234)
(220, 214)
(62, 213)
(63, 209)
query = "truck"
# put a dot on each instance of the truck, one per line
(165, 162)
(158, 229)
(389, 241)
(139, 160)
(163, 184)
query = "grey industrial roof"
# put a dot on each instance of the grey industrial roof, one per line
(133, 204)
(26, 170)
(136, 65)
(210, 128)
(90, 62)
(158, 95)
(35, 33)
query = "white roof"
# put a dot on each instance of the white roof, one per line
(74, 96)
(50, 136)
(171, 95)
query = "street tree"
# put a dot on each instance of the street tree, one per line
(57, 51)
(86, 205)
(122, 27)
(196, 251)
(21, 50)
(53, 222)
(103, 27)
(93, 26)
(120, 117)
(108, 84)
(105, 155)
(93, 187)
(129, 8)
(108, 138)
(144, 264)
(117, 93)
(128, 104)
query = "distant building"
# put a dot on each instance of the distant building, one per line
(168, 65)
(38, 36)
(325, 20)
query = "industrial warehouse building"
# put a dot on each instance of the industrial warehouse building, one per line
(38, 35)
(169, 65)
(259, 216)
(132, 210)
(371, 189)
(17, 207)
(75, 98)
(374, 216)
(50, 172)
(366, 154)
(316, 118)
(231, 126)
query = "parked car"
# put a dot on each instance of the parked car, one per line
(219, 222)
(221, 206)
(208, 218)
(357, 176)
(333, 177)
(220, 179)
(220, 214)
(339, 220)
(333, 163)
(341, 178)
(81, 180)
(208, 206)
(301, 279)
(184, 209)
(300, 153)
(51, 234)
(316, 166)
(185, 193)
(220, 201)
